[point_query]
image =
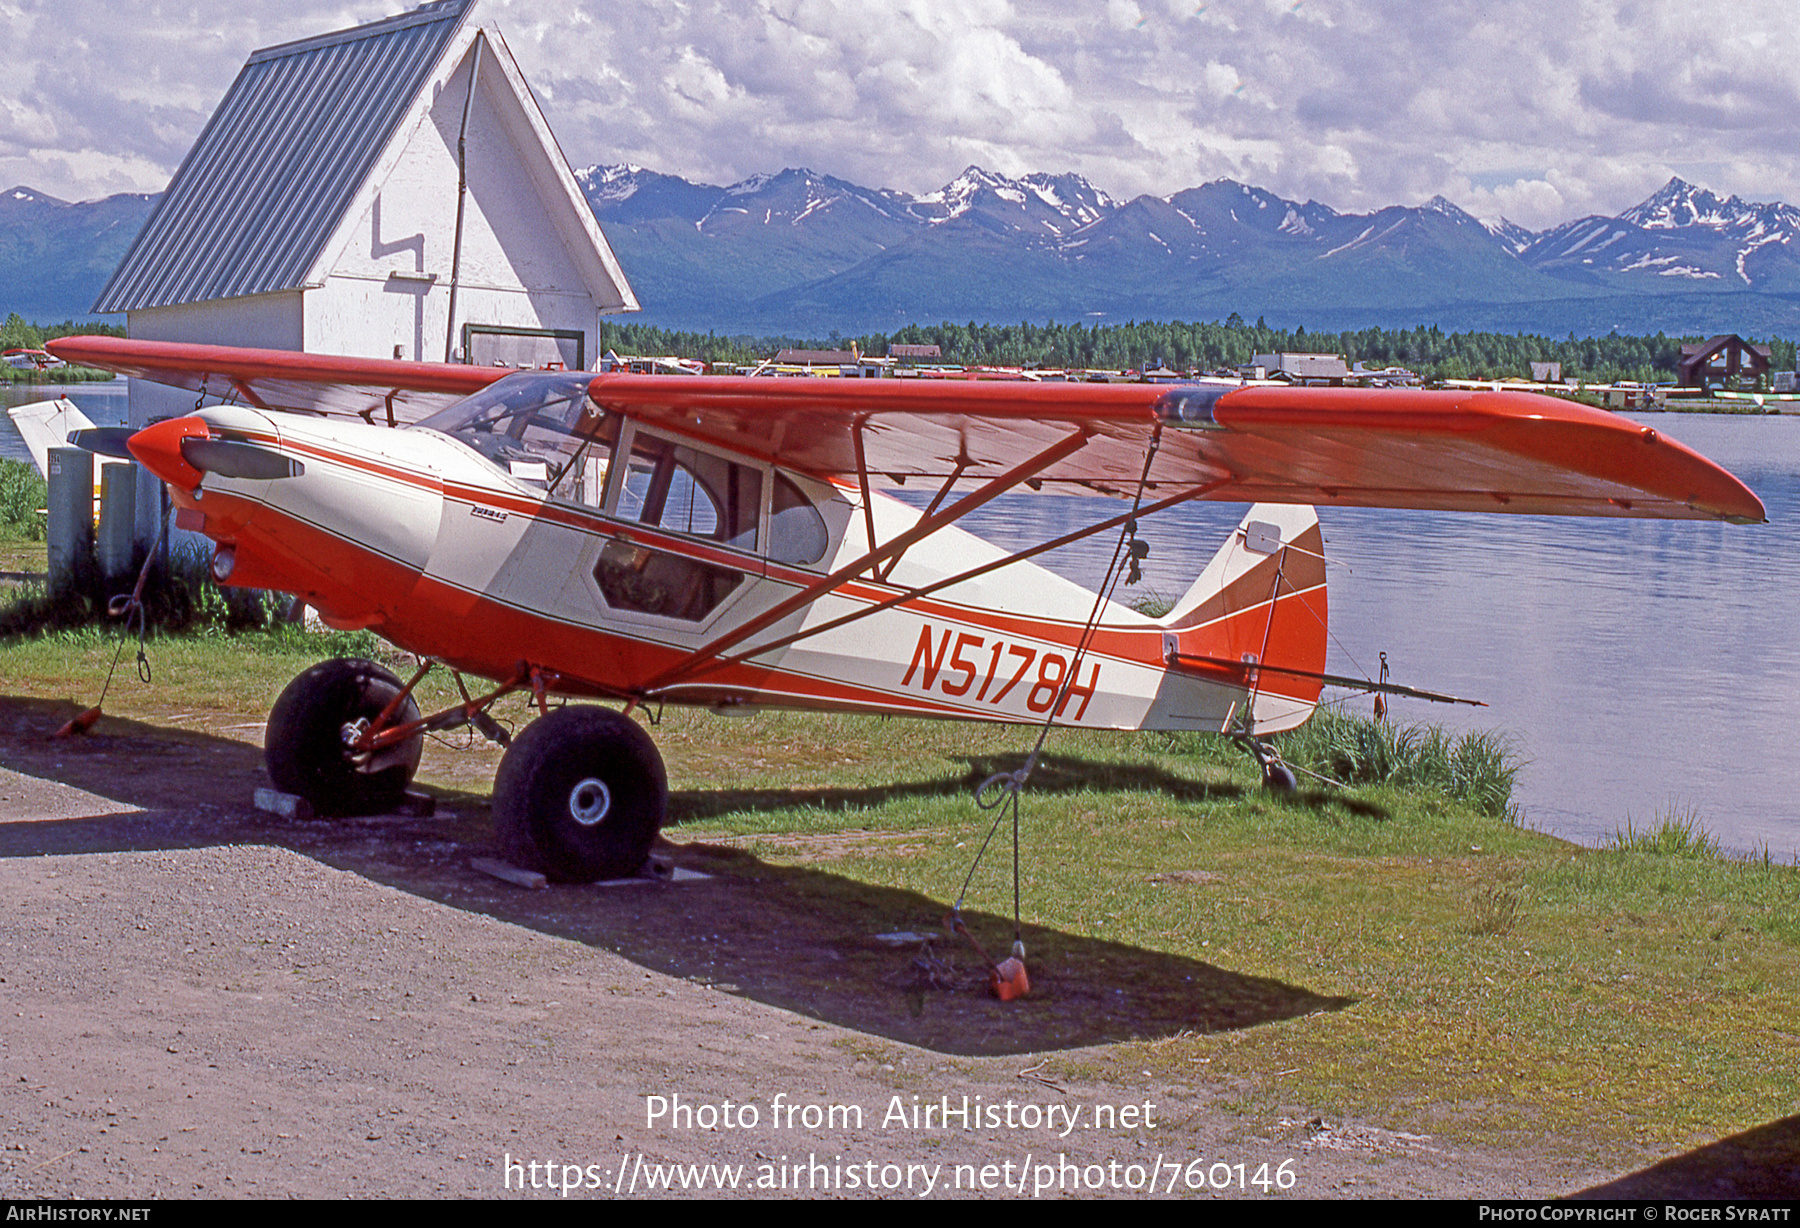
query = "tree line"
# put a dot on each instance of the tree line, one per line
(1430, 352)
(19, 334)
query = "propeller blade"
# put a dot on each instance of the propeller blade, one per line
(104, 440)
(231, 459)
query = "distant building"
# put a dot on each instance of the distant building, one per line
(1723, 361)
(1546, 373)
(324, 209)
(817, 358)
(1303, 368)
(915, 352)
(1391, 376)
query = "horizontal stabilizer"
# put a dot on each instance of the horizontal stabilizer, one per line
(1341, 680)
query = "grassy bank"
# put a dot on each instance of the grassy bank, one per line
(1496, 984)
(1475, 981)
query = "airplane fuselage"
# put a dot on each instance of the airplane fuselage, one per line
(475, 562)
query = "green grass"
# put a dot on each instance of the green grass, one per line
(1676, 832)
(23, 493)
(178, 597)
(1476, 981)
(1478, 767)
(1497, 984)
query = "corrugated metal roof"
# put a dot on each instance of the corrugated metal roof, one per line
(278, 164)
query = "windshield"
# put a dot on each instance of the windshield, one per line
(540, 428)
(537, 426)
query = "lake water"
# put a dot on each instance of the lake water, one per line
(104, 403)
(1642, 666)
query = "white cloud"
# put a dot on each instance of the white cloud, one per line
(1502, 106)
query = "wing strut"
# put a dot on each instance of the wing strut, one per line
(244, 390)
(913, 594)
(862, 481)
(701, 657)
(962, 463)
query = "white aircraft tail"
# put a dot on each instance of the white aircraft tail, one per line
(46, 424)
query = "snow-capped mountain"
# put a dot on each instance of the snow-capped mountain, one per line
(987, 244)
(1038, 204)
(1680, 235)
(1513, 237)
(1679, 204)
(55, 255)
(800, 252)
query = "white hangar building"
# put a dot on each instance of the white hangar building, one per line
(390, 191)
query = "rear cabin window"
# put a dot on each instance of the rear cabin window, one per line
(796, 530)
(674, 487)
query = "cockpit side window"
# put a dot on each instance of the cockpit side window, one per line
(674, 487)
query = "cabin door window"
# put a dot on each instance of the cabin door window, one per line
(675, 488)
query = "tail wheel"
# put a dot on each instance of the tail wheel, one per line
(580, 795)
(1277, 776)
(307, 750)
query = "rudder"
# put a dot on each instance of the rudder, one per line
(1259, 609)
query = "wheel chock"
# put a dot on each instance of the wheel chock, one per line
(1008, 980)
(507, 872)
(286, 805)
(80, 725)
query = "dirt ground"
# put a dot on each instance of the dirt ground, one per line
(202, 1000)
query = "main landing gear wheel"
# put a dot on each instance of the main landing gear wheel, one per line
(307, 747)
(580, 795)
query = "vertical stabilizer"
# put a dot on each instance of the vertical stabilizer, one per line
(46, 424)
(1257, 610)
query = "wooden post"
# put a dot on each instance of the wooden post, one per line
(70, 531)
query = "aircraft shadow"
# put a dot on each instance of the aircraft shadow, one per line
(796, 937)
(1054, 774)
(1763, 1162)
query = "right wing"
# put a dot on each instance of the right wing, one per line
(384, 391)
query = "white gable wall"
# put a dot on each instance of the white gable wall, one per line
(257, 321)
(532, 255)
(389, 281)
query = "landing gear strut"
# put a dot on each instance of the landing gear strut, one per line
(580, 795)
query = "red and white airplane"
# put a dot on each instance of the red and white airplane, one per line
(30, 360)
(724, 542)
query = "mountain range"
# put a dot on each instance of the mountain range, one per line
(55, 256)
(802, 254)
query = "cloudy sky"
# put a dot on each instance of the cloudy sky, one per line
(1537, 111)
